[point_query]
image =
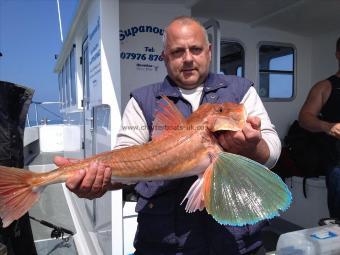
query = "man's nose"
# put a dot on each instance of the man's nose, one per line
(187, 56)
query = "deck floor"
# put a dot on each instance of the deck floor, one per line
(51, 207)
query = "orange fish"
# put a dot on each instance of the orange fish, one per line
(234, 190)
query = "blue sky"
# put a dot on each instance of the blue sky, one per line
(29, 39)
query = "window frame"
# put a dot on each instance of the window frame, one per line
(63, 71)
(229, 40)
(294, 73)
(67, 80)
(73, 77)
(61, 90)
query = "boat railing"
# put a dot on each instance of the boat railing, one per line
(43, 112)
(41, 138)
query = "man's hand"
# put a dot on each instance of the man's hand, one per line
(89, 183)
(247, 142)
(335, 130)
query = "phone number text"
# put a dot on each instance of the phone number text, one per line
(140, 56)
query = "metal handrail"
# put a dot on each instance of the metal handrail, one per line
(40, 105)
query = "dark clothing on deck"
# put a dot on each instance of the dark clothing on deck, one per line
(330, 112)
(14, 104)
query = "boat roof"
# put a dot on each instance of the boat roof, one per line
(309, 18)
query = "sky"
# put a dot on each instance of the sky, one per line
(29, 41)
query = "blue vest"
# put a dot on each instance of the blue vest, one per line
(163, 224)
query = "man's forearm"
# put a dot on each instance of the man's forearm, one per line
(261, 152)
(314, 124)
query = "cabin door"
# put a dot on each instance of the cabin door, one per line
(214, 35)
(88, 112)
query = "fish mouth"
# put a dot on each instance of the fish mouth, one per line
(226, 124)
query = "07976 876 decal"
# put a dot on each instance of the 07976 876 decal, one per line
(141, 56)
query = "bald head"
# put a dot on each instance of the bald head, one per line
(180, 22)
(187, 52)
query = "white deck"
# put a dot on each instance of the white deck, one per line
(52, 207)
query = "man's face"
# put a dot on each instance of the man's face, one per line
(187, 54)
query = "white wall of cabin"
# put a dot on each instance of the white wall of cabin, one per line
(281, 113)
(135, 15)
(111, 79)
(324, 63)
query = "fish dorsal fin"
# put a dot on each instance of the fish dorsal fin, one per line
(167, 118)
(240, 191)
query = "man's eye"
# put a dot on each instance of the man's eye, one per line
(177, 53)
(196, 50)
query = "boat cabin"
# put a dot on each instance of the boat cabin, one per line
(114, 46)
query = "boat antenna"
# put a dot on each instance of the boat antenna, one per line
(60, 26)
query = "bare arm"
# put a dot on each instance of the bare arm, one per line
(308, 116)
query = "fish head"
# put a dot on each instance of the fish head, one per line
(219, 117)
(226, 116)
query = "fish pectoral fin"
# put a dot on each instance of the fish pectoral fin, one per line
(195, 195)
(240, 191)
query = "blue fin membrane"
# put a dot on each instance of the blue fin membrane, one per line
(243, 191)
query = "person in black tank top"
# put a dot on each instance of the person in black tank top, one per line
(321, 113)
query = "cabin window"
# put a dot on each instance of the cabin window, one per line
(61, 89)
(232, 58)
(68, 82)
(64, 87)
(277, 72)
(85, 73)
(73, 77)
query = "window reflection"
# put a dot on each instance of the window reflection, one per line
(232, 58)
(276, 64)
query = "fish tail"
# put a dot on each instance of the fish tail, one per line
(18, 192)
(240, 191)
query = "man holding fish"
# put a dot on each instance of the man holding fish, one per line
(164, 226)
